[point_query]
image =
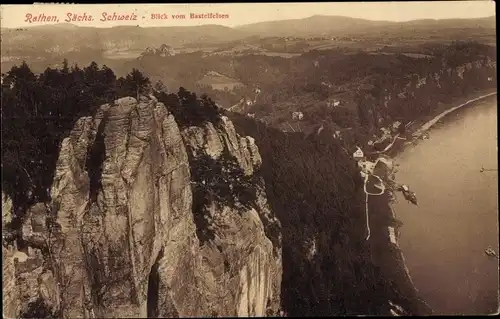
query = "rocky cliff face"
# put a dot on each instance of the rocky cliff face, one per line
(10, 297)
(121, 236)
(419, 94)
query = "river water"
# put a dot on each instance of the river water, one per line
(444, 238)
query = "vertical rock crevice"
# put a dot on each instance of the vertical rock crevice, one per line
(95, 158)
(127, 241)
(154, 287)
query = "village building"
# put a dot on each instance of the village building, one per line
(297, 116)
(358, 154)
(248, 101)
(421, 82)
(396, 125)
(332, 103)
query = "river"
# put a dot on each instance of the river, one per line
(444, 238)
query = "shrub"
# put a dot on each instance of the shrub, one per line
(221, 181)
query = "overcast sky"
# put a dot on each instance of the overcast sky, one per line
(13, 16)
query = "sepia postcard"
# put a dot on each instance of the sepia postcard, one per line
(249, 160)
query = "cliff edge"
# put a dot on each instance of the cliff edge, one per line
(138, 226)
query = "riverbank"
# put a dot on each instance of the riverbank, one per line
(445, 237)
(389, 258)
(421, 126)
(426, 126)
(389, 255)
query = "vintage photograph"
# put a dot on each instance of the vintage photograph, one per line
(249, 160)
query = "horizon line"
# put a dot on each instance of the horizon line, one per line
(238, 26)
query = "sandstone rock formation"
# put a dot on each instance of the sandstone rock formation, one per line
(252, 259)
(10, 296)
(119, 237)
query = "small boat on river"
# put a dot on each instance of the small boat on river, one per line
(408, 194)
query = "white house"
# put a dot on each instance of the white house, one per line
(333, 103)
(297, 116)
(358, 154)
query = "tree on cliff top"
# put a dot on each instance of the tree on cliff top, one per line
(188, 109)
(134, 84)
(38, 111)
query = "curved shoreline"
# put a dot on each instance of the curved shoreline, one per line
(415, 136)
(417, 129)
(427, 125)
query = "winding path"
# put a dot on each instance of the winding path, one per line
(382, 190)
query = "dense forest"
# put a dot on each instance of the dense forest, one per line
(38, 111)
(374, 88)
(314, 189)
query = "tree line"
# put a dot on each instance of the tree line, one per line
(39, 111)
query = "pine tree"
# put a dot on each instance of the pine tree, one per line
(136, 83)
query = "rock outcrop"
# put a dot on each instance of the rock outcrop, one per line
(422, 92)
(163, 51)
(244, 241)
(29, 286)
(10, 293)
(120, 238)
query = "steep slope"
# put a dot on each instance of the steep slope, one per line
(329, 266)
(121, 237)
(365, 90)
(10, 295)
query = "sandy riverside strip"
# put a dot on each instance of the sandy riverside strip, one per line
(430, 123)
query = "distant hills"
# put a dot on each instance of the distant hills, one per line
(312, 26)
(119, 38)
(53, 42)
(339, 25)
